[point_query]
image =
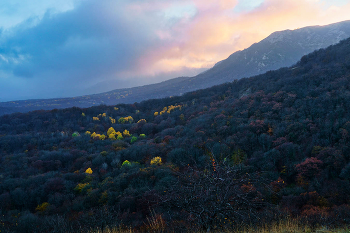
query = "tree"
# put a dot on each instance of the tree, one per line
(126, 133)
(88, 171)
(110, 131)
(126, 163)
(112, 136)
(213, 198)
(133, 139)
(112, 120)
(156, 161)
(121, 120)
(309, 168)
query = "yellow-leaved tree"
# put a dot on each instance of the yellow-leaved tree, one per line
(111, 130)
(88, 171)
(112, 120)
(112, 136)
(156, 161)
(130, 119)
(126, 133)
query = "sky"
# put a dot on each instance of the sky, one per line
(66, 48)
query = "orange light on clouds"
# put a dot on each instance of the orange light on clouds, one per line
(215, 31)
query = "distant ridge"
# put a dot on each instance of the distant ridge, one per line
(280, 49)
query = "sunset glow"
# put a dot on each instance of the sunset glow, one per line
(81, 43)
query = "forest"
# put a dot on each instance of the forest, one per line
(246, 152)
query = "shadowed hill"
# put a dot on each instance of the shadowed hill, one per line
(237, 154)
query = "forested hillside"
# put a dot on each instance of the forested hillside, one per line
(244, 152)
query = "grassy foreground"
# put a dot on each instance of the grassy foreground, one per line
(285, 226)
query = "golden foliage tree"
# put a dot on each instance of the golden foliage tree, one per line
(126, 133)
(112, 136)
(88, 171)
(156, 161)
(111, 130)
(112, 120)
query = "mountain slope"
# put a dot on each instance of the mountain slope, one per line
(282, 135)
(280, 49)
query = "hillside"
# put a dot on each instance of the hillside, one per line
(249, 151)
(280, 49)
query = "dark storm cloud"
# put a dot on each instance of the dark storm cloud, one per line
(74, 49)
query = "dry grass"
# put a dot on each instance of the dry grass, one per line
(289, 226)
(156, 224)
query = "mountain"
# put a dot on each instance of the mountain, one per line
(275, 145)
(280, 49)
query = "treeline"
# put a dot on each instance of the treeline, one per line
(241, 151)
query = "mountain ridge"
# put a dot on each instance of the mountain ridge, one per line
(279, 49)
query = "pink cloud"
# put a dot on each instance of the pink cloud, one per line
(216, 30)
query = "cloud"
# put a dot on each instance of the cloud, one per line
(65, 52)
(90, 43)
(13, 12)
(218, 29)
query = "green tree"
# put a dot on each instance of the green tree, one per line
(126, 163)
(133, 139)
